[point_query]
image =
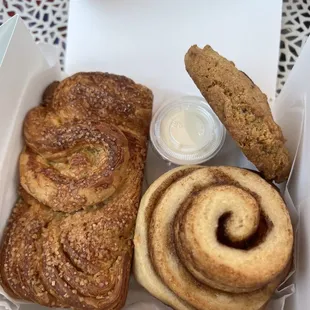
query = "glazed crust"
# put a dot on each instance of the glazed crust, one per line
(20, 255)
(79, 155)
(242, 108)
(77, 165)
(68, 242)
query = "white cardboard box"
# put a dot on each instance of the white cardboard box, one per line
(147, 39)
(37, 68)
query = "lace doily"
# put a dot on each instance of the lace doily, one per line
(294, 33)
(47, 20)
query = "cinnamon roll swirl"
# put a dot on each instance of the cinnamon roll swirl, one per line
(212, 238)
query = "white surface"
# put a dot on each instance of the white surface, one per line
(147, 39)
(295, 93)
(20, 60)
(46, 20)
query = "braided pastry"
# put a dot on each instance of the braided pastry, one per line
(75, 165)
(212, 238)
(68, 242)
(20, 256)
(76, 160)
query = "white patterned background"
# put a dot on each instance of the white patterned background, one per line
(47, 20)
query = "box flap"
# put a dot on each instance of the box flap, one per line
(21, 60)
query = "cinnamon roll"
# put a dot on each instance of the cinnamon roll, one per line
(212, 238)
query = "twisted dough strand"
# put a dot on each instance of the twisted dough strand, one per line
(77, 150)
(83, 154)
(20, 256)
(78, 165)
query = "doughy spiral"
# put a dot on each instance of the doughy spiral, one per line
(212, 238)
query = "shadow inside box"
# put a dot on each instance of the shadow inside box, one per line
(230, 155)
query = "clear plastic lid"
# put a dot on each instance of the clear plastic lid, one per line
(187, 131)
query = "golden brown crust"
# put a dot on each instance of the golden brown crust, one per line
(87, 256)
(110, 97)
(79, 260)
(79, 165)
(242, 108)
(82, 260)
(19, 209)
(212, 238)
(79, 155)
(48, 95)
(20, 257)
